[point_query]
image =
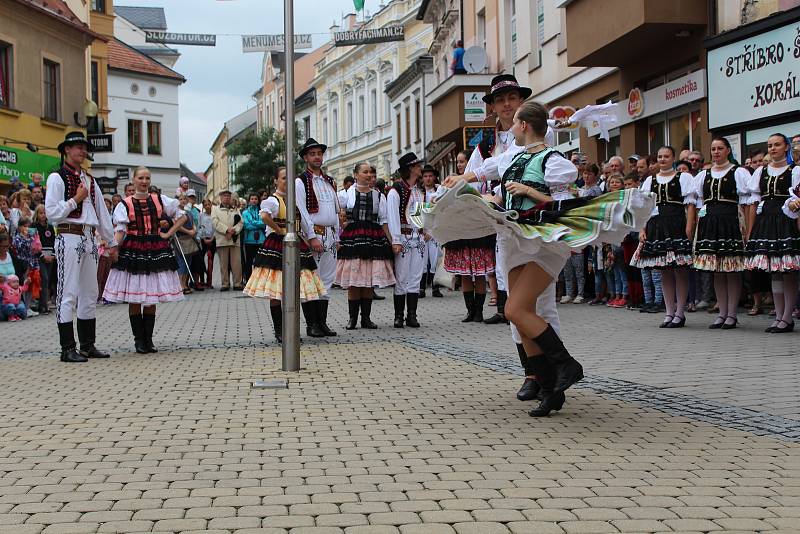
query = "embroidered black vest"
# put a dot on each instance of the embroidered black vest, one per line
(365, 208)
(721, 189)
(775, 187)
(668, 193)
(71, 183)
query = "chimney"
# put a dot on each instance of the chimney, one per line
(334, 27)
(350, 21)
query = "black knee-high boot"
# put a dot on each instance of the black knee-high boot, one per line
(86, 337)
(567, 369)
(411, 316)
(277, 322)
(137, 327)
(149, 321)
(436, 291)
(310, 313)
(322, 316)
(366, 310)
(353, 306)
(69, 351)
(477, 314)
(500, 316)
(399, 310)
(546, 377)
(530, 387)
(469, 302)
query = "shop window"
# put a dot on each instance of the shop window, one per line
(154, 138)
(679, 133)
(307, 128)
(680, 129)
(757, 139)
(655, 136)
(6, 74)
(52, 90)
(134, 136)
(611, 147)
(99, 6)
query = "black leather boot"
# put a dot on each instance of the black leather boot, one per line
(477, 313)
(366, 311)
(411, 316)
(149, 321)
(423, 284)
(66, 337)
(137, 327)
(353, 306)
(500, 316)
(399, 310)
(322, 315)
(436, 291)
(545, 376)
(469, 302)
(310, 313)
(567, 369)
(86, 338)
(277, 322)
(530, 389)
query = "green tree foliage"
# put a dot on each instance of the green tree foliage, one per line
(260, 155)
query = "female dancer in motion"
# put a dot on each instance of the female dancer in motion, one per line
(537, 227)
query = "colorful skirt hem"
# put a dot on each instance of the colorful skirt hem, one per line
(265, 283)
(364, 273)
(147, 289)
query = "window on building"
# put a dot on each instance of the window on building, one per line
(325, 130)
(306, 128)
(540, 27)
(387, 111)
(335, 127)
(361, 115)
(52, 90)
(373, 110)
(408, 126)
(99, 5)
(6, 74)
(134, 136)
(154, 138)
(398, 132)
(416, 121)
(349, 120)
(481, 28)
(95, 82)
(513, 10)
(679, 128)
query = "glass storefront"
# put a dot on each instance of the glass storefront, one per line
(757, 139)
(679, 128)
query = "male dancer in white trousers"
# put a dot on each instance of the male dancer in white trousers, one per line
(408, 242)
(319, 208)
(74, 206)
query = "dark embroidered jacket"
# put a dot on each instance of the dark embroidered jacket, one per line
(312, 204)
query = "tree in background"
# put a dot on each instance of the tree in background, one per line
(261, 154)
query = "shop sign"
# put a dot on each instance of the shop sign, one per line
(674, 94)
(474, 107)
(107, 185)
(635, 103)
(102, 143)
(754, 78)
(362, 37)
(22, 164)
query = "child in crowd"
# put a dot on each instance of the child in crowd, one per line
(614, 259)
(13, 308)
(27, 249)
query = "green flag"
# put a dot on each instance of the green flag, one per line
(359, 4)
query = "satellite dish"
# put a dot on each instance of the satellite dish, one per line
(474, 59)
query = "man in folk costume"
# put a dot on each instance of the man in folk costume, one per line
(75, 207)
(319, 208)
(408, 241)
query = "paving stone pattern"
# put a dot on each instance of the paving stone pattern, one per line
(397, 431)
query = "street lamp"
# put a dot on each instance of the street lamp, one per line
(89, 110)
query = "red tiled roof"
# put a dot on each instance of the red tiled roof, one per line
(202, 176)
(60, 10)
(124, 57)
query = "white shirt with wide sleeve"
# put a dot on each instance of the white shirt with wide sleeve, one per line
(350, 203)
(95, 215)
(743, 183)
(393, 212)
(328, 201)
(755, 180)
(271, 207)
(121, 219)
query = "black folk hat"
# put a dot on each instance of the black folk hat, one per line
(312, 143)
(506, 82)
(407, 160)
(430, 168)
(75, 138)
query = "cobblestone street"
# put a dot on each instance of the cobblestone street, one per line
(399, 430)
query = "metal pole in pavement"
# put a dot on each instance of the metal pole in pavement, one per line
(290, 360)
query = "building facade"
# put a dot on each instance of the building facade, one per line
(130, 25)
(144, 100)
(354, 113)
(42, 83)
(221, 174)
(412, 122)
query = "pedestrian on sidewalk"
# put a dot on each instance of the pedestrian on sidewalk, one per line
(228, 224)
(146, 272)
(266, 280)
(75, 206)
(208, 245)
(365, 255)
(253, 232)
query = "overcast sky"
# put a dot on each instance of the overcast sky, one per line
(221, 80)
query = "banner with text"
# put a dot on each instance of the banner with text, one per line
(193, 39)
(754, 78)
(273, 43)
(361, 37)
